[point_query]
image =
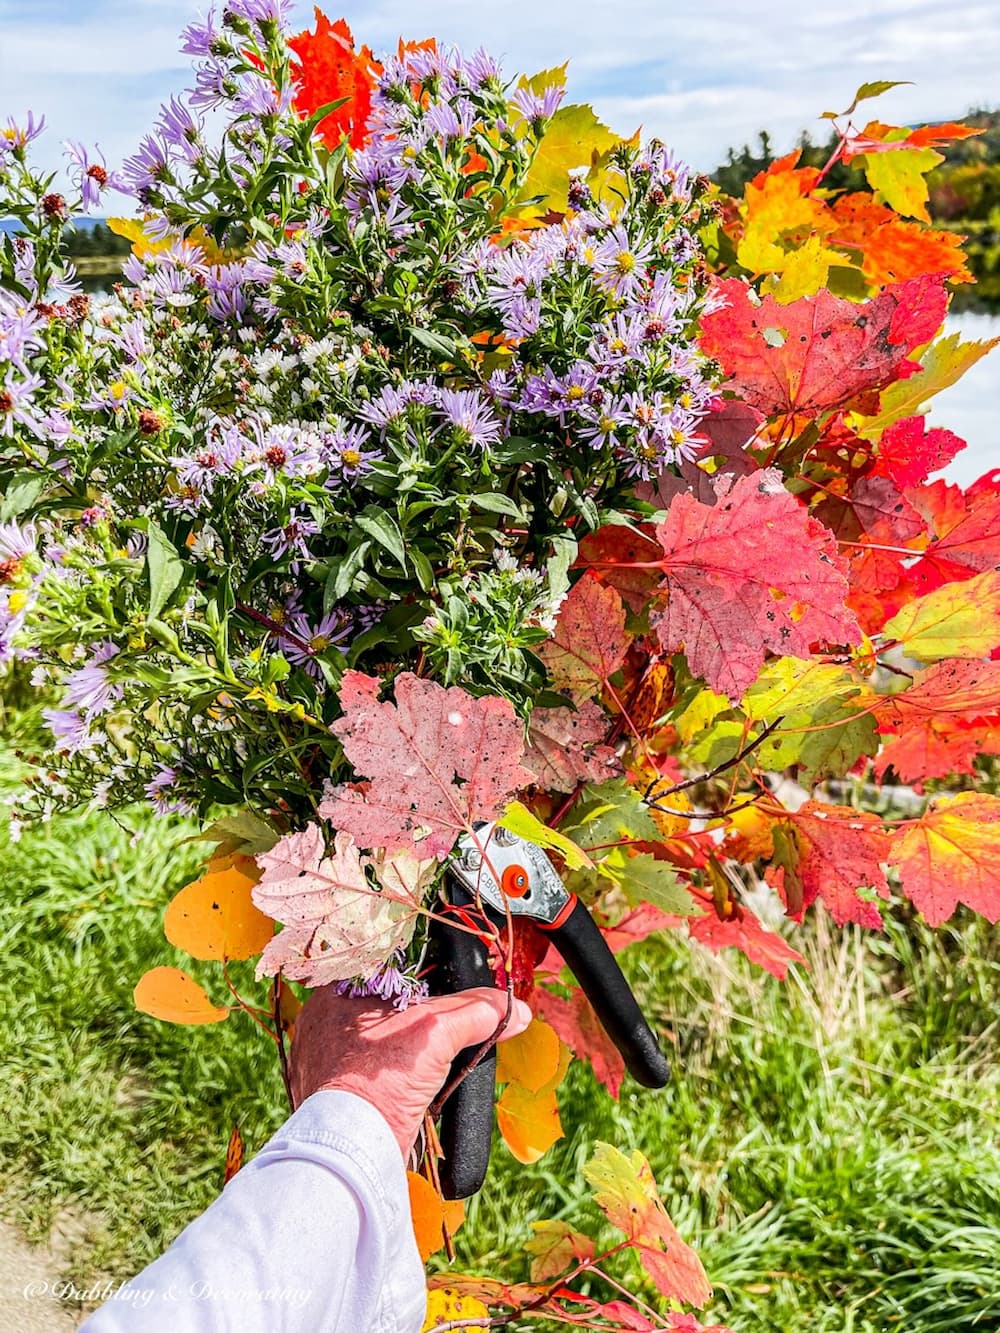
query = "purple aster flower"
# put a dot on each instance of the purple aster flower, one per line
(219, 458)
(312, 641)
(557, 396)
(620, 264)
(213, 86)
(149, 168)
(68, 728)
(482, 71)
(14, 137)
(260, 11)
(388, 406)
(258, 98)
(226, 296)
(290, 539)
(287, 451)
(88, 689)
(16, 404)
(160, 790)
(390, 982)
(92, 176)
(536, 108)
(347, 452)
(17, 543)
(19, 332)
(619, 341)
(202, 38)
(452, 120)
(471, 416)
(604, 426)
(179, 129)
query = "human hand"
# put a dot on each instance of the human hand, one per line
(398, 1061)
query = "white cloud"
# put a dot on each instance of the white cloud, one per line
(703, 74)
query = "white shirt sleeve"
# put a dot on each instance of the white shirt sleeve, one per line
(313, 1235)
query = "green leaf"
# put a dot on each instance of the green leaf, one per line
(422, 568)
(166, 569)
(611, 812)
(245, 833)
(381, 527)
(325, 110)
(341, 577)
(864, 94)
(643, 879)
(438, 343)
(496, 504)
(898, 176)
(22, 491)
(521, 822)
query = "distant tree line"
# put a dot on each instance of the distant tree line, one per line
(99, 240)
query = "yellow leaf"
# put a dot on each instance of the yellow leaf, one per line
(945, 361)
(805, 270)
(700, 713)
(957, 620)
(214, 918)
(520, 821)
(528, 1121)
(898, 176)
(531, 1058)
(170, 994)
(773, 208)
(790, 685)
(574, 138)
(446, 1305)
(132, 229)
(431, 1214)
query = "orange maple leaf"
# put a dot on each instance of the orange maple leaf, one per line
(329, 68)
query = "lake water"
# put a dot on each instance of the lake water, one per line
(971, 408)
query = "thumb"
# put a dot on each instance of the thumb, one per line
(468, 1018)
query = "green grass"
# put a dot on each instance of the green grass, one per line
(829, 1145)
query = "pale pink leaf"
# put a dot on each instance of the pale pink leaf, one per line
(437, 760)
(566, 747)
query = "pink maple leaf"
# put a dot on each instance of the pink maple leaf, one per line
(437, 760)
(566, 747)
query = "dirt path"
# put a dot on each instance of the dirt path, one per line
(29, 1282)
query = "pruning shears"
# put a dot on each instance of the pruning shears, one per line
(492, 872)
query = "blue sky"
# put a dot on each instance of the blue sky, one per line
(701, 75)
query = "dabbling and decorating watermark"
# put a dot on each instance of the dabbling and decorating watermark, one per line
(140, 1297)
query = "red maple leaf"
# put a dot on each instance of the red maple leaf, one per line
(840, 850)
(938, 725)
(753, 572)
(821, 352)
(566, 747)
(951, 855)
(590, 640)
(437, 760)
(766, 948)
(618, 553)
(872, 508)
(328, 69)
(575, 1023)
(909, 454)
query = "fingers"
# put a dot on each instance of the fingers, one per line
(469, 1017)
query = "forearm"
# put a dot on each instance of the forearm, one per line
(312, 1236)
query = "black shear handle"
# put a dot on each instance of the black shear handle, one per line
(466, 1127)
(591, 961)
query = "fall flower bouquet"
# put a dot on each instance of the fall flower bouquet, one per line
(377, 500)
(343, 423)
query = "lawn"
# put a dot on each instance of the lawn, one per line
(828, 1144)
